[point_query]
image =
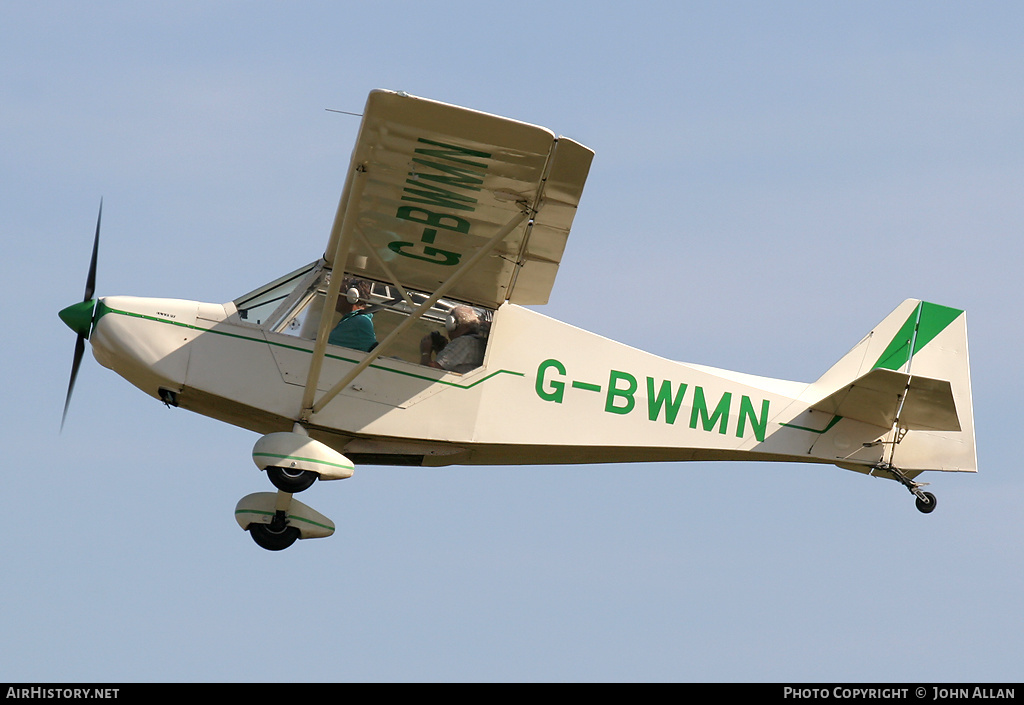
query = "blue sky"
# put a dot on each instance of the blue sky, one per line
(770, 180)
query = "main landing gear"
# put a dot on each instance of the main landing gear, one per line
(275, 536)
(291, 480)
(275, 520)
(925, 501)
(293, 461)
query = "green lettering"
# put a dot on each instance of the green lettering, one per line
(454, 176)
(430, 254)
(554, 390)
(614, 391)
(434, 220)
(449, 152)
(700, 411)
(664, 398)
(759, 425)
(437, 196)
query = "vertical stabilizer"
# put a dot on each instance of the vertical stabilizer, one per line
(918, 340)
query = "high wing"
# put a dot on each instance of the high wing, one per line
(452, 202)
(430, 184)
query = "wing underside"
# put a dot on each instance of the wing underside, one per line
(430, 184)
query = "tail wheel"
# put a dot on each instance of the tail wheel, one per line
(273, 539)
(926, 504)
(925, 500)
(292, 481)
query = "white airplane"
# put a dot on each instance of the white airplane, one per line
(407, 342)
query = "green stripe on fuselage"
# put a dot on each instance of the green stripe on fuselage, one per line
(102, 309)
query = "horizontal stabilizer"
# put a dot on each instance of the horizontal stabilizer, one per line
(874, 398)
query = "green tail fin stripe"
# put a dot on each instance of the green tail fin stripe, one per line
(926, 322)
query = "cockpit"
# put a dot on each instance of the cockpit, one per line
(366, 313)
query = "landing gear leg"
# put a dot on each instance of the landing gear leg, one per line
(925, 501)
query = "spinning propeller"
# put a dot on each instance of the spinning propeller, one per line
(79, 317)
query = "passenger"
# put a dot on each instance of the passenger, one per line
(465, 352)
(355, 329)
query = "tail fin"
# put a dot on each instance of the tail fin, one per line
(913, 371)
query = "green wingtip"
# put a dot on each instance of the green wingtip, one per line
(78, 317)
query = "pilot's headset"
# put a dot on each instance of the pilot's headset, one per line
(451, 322)
(358, 290)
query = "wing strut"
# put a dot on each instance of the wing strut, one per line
(333, 289)
(309, 409)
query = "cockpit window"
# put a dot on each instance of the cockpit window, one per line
(259, 307)
(368, 311)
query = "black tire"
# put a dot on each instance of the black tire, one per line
(291, 481)
(926, 507)
(267, 538)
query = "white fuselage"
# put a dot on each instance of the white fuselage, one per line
(547, 393)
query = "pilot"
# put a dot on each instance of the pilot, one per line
(355, 329)
(465, 352)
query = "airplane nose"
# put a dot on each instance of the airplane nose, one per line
(78, 317)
